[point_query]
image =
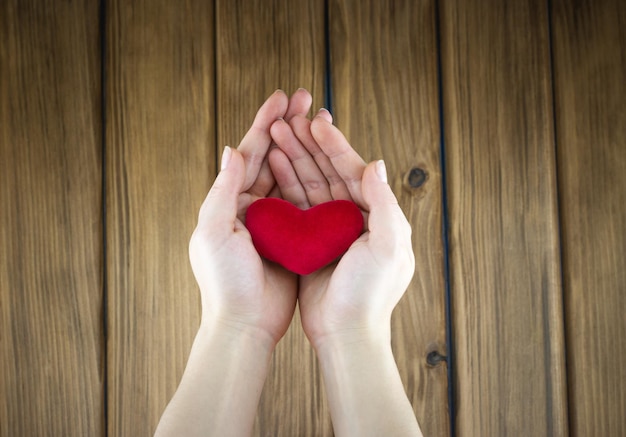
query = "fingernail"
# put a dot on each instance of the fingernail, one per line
(319, 113)
(226, 157)
(381, 171)
(301, 89)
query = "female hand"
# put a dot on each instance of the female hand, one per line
(238, 288)
(314, 163)
(247, 303)
(346, 307)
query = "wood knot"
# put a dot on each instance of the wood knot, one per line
(434, 358)
(415, 178)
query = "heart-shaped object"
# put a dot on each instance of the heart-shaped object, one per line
(303, 241)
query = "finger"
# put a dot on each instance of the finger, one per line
(390, 232)
(301, 127)
(287, 179)
(348, 164)
(308, 173)
(219, 209)
(325, 114)
(256, 143)
(275, 192)
(299, 104)
(264, 182)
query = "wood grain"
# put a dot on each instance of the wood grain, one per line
(262, 46)
(506, 300)
(590, 66)
(51, 327)
(385, 94)
(160, 153)
(185, 79)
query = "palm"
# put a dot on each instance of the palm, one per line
(334, 295)
(264, 297)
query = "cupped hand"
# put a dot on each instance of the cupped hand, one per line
(238, 288)
(314, 163)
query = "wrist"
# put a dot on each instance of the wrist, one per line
(235, 333)
(353, 342)
(364, 389)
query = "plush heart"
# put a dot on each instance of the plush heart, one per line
(303, 240)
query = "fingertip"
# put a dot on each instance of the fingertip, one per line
(279, 130)
(221, 201)
(273, 108)
(386, 219)
(376, 188)
(325, 114)
(318, 127)
(381, 170)
(226, 154)
(236, 156)
(233, 163)
(276, 124)
(304, 92)
(299, 103)
(278, 99)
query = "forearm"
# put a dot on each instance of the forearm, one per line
(220, 389)
(365, 393)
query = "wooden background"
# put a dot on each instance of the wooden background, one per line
(503, 125)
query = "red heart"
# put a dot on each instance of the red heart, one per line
(303, 240)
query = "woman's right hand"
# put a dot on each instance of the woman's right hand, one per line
(346, 307)
(314, 163)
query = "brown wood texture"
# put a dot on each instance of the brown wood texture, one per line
(262, 46)
(160, 152)
(51, 327)
(385, 99)
(506, 296)
(590, 66)
(184, 79)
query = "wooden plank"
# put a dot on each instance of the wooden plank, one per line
(51, 327)
(590, 96)
(160, 158)
(503, 226)
(385, 95)
(263, 46)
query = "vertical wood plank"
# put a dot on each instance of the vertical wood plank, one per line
(51, 328)
(590, 66)
(160, 158)
(385, 99)
(262, 46)
(504, 244)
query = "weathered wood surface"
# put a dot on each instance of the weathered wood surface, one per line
(506, 297)
(51, 327)
(590, 96)
(385, 99)
(160, 159)
(183, 80)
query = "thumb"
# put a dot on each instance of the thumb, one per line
(219, 209)
(388, 227)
